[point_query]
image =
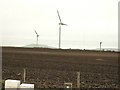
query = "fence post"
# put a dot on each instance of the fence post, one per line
(78, 79)
(24, 74)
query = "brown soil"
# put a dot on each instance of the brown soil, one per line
(51, 68)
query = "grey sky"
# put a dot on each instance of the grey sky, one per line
(89, 22)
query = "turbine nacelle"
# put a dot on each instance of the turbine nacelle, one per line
(37, 35)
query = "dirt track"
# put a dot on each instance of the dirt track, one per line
(49, 68)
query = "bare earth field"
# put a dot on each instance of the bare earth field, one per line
(51, 68)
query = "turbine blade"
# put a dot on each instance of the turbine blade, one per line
(36, 32)
(59, 16)
(63, 24)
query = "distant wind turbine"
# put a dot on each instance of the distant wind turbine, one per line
(100, 45)
(37, 37)
(60, 29)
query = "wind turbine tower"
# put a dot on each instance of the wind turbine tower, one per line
(37, 37)
(60, 24)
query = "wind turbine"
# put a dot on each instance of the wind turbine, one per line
(37, 37)
(60, 24)
(100, 45)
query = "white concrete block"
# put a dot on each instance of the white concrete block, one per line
(14, 84)
(25, 86)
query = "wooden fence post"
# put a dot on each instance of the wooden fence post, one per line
(78, 79)
(24, 75)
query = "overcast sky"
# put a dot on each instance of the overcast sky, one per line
(89, 22)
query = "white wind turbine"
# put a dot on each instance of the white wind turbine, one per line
(37, 37)
(60, 24)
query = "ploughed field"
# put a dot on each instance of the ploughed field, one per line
(51, 68)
